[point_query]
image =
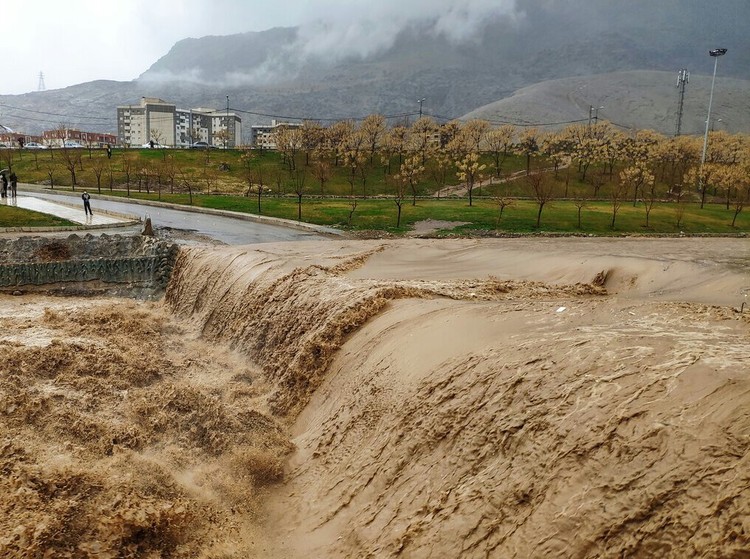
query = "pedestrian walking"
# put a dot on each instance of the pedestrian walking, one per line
(13, 184)
(86, 203)
(4, 193)
(109, 151)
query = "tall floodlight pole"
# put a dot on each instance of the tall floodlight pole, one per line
(715, 53)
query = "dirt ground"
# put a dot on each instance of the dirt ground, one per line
(414, 398)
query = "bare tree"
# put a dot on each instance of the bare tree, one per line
(502, 203)
(51, 167)
(185, 181)
(740, 199)
(71, 158)
(298, 182)
(542, 190)
(97, 166)
(129, 163)
(253, 175)
(209, 175)
(6, 156)
(352, 208)
(168, 170)
(321, 171)
(400, 183)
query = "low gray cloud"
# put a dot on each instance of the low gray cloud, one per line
(329, 31)
(364, 28)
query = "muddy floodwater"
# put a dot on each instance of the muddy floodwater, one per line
(415, 398)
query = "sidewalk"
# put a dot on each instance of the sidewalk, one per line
(71, 213)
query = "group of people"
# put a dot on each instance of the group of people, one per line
(9, 184)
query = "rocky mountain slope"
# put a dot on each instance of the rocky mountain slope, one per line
(294, 72)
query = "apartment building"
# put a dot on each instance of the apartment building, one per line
(262, 135)
(164, 123)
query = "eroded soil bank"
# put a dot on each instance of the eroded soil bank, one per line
(504, 398)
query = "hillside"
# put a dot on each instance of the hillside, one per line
(638, 99)
(335, 73)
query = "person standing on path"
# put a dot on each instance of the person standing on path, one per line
(86, 203)
(13, 184)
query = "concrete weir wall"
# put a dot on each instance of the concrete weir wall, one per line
(89, 263)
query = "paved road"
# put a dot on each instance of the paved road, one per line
(219, 226)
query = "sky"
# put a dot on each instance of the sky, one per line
(76, 41)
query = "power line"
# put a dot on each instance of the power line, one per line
(102, 121)
(77, 117)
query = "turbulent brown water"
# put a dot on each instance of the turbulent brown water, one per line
(344, 399)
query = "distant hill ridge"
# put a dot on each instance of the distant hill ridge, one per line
(278, 72)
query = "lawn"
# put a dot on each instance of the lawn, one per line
(221, 179)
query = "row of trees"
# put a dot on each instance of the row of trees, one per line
(430, 158)
(646, 164)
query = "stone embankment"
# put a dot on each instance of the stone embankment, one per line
(86, 264)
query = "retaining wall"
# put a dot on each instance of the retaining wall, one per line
(89, 262)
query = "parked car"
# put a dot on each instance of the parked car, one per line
(71, 144)
(34, 145)
(201, 145)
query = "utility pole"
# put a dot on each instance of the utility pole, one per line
(683, 77)
(41, 86)
(420, 106)
(226, 143)
(594, 114)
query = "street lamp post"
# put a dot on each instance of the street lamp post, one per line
(226, 142)
(715, 53)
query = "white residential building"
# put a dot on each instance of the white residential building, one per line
(262, 135)
(165, 124)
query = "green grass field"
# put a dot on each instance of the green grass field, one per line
(18, 217)
(219, 179)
